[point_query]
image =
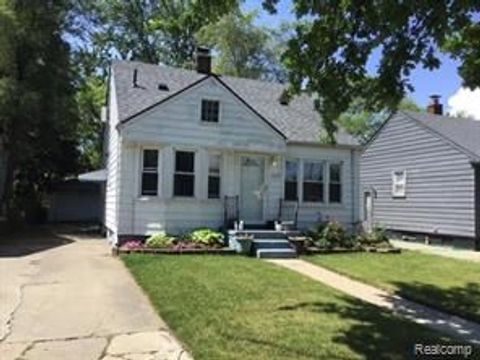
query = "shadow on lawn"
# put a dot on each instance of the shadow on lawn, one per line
(368, 331)
(463, 301)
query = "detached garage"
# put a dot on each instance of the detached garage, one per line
(78, 200)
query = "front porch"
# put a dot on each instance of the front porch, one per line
(265, 242)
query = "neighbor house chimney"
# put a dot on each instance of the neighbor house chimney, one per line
(435, 107)
(204, 60)
(135, 78)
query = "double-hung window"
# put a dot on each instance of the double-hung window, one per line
(214, 176)
(313, 181)
(149, 184)
(291, 180)
(399, 183)
(184, 177)
(210, 111)
(335, 183)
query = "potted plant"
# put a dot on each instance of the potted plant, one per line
(245, 243)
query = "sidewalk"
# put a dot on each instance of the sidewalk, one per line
(452, 325)
(447, 251)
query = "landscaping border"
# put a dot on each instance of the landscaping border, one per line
(319, 251)
(219, 251)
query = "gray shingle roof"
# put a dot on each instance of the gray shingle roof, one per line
(298, 121)
(465, 133)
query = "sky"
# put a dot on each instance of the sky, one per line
(444, 81)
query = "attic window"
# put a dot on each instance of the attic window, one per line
(163, 87)
(210, 111)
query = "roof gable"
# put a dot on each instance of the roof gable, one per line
(461, 132)
(296, 122)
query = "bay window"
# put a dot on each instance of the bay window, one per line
(291, 180)
(335, 183)
(184, 176)
(214, 176)
(313, 181)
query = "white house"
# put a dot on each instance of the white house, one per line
(183, 142)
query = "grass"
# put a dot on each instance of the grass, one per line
(447, 284)
(243, 308)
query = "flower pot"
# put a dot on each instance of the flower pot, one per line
(245, 243)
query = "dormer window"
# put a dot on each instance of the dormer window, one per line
(210, 111)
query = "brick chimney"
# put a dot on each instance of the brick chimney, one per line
(204, 60)
(435, 107)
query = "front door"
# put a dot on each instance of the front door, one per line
(368, 211)
(252, 188)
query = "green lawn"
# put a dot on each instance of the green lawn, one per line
(242, 308)
(447, 284)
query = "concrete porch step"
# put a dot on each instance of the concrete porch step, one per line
(271, 244)
(266, 234)
(276, 254)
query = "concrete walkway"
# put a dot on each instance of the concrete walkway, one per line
(454, 326)
(66, 297)
(447, 251)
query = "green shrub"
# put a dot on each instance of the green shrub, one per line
(316, 231)
(377, 238)
(323, 243)
(207, 237)
(160, 240)
(334, 234)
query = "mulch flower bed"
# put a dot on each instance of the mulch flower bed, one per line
(137, 247)
(219, 251)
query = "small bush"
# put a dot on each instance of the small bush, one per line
(332, 234)
(316, 231)
(377, 238)
(207, 237)
(160, 240)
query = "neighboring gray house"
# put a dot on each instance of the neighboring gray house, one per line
(420, 174)
(181, 143)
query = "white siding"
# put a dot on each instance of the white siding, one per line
(177, 122)
(440, 181)
(112, 164)
(176, 125)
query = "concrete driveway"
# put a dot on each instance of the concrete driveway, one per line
(66, 297)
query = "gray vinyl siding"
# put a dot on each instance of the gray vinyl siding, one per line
(440, 180)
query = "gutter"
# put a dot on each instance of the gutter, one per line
(327, 146)
(352, 184)
(476, 177)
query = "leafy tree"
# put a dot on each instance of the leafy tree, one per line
(180, 20)
(90, 98)
(243, 49)
(38, 118)
(334, 41)
(362, 123)
(152, 31)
